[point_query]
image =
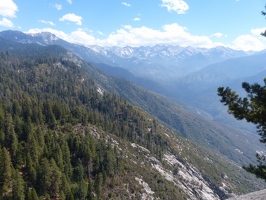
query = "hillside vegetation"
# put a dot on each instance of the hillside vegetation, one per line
(63, 137)
(238, 145)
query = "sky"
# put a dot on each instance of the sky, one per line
(198, 23)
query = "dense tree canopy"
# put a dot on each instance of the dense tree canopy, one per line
(60, 138)
(50, 116)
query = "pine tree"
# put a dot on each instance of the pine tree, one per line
(11, 141)
(253, 109)
(32, 194)
(99, 184)
(18, 186)
(55, 179)
(5, 172)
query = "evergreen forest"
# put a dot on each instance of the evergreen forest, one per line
(62, 137)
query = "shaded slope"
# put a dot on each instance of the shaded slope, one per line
(192, 126)
(55, 95)
(188, 125)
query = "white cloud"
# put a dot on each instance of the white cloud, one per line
(47, 22)
(79, 36)
(218, 35)
(69, 1)
(59, 34)
(72, 18)
(171, 34)
(249, 43)
(7, 23)
(178, 6)
(126, 4)
(8, 8)
(136, 19)
(100, 32)
(58, 6)
(258, 31)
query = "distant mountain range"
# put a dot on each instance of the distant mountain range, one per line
(186, 74)
(51, 99)
(159, 63)
(56, 73)
(166, 63)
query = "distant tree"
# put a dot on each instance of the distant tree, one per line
(253, 109)
(55, 177)
(66, 188)
(99, 184)
(5, 172)
(18, 188)
(32, 194)
(49, 178)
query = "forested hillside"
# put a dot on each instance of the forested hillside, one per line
(42, 99)
(238, 145)
(62, 137)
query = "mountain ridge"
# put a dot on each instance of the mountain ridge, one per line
(178, 61)
(110, 147)
(71, 75)
(176, 117)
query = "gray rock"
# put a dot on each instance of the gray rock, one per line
(259, 195)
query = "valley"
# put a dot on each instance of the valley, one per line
(147, 119)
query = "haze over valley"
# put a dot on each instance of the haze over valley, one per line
(105, 100)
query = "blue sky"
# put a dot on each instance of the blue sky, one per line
(199, 23)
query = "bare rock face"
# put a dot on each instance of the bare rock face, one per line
(259, 195)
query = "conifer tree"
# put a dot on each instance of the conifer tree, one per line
(32, 194)
(253, 109)
(5, 172)
(18, 186)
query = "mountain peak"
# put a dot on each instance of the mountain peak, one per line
(47, 37)
(43, 38)
(13, 35)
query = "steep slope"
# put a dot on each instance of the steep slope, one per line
(123, 73)
(223, 72)
(209, 101)
(47, 38)
(166, 62)
(260, 195)
(65, 138)
(192, 126)
(238, 145)
(200, 89)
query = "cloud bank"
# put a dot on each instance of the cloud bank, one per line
(170, 34)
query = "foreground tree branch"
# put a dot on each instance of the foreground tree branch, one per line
(252, 108)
